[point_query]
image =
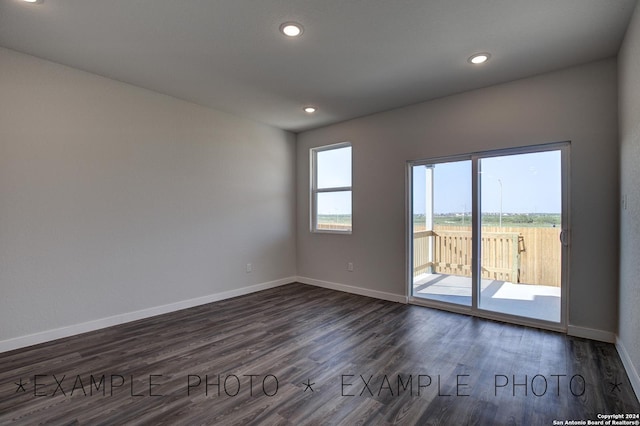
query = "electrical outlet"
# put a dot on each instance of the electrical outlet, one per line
(249, 268)
(350, 266)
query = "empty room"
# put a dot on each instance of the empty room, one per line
(325, 212)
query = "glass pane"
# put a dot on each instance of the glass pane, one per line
(442, 232)
(334, 211)
(521, 206)
(333, 168)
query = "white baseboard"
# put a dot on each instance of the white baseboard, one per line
(634, 378)
(355, 290)
(72, 330)
(591, 333)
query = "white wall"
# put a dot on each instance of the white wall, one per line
(629, 110)
(577, 104)
(115, 199)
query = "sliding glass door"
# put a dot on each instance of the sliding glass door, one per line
(487, 230)
(521, 218)
(441, 233)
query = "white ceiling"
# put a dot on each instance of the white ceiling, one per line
(355, 57)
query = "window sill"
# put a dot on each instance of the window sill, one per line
(330, 231)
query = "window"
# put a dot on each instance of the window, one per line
(488, 233)
(331, 189)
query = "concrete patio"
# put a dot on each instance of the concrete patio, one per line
(525, 300)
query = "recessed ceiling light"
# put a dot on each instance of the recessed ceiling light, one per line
(479, 58)
(291, 29)
(310, 109)
(33, 1)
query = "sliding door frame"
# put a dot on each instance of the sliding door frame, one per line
(474, 309)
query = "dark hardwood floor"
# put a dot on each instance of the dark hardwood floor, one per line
(299, 354)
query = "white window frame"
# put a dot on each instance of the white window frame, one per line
(315, 191)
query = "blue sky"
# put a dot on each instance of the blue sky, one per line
(334, 170)
(530, 184)
(334, 167)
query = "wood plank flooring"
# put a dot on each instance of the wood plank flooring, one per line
(298, 354)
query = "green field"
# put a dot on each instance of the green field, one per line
(533, 220)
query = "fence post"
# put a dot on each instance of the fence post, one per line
(515, 258)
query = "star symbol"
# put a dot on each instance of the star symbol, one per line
(615, 385)
(308, 385)
(20, 386)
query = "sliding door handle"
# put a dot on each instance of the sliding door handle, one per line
(564, 237)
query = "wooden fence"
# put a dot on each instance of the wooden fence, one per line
(333, 227)
(518, 255)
